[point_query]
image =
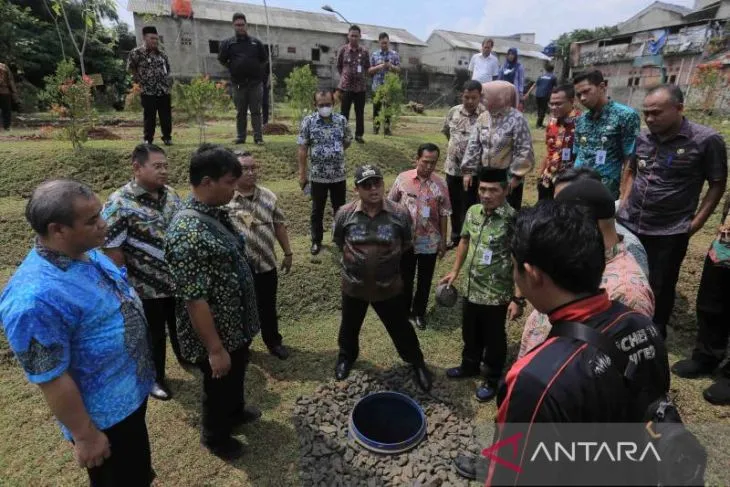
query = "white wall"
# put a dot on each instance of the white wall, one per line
(439, 55)
(652, 19)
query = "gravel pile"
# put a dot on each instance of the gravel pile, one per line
(328, 457)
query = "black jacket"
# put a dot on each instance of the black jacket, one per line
(245, 58)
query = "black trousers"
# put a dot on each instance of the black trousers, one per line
(248, 97)
(337, 192)
(6, 104)
(265, 105)
(425, 264)
(358, 99)
(665, 254)
(542, 107)
(545, 193)
(152, 106)
(483, 329)
(376, 111)
(222, 398)
(130, 462)
(458, 199)
(266, 284)
(514, 198)
(713, 316)
(392, 312)
(160, 312)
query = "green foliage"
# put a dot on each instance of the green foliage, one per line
(392, 97)
(578, 35)
(301, 84)
(200, 99)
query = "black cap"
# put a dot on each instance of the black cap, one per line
(592, 194)
(150, 29)
(363, 173)
(492, 175)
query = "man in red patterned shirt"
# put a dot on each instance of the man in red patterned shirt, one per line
(559, 139)
(353, 62)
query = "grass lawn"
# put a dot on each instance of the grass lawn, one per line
(33, 452)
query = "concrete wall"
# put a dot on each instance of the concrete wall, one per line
(440, 56)
(652, 19)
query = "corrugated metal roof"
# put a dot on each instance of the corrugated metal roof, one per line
(501, 44)
(278, 17)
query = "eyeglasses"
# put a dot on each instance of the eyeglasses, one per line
(370, 183)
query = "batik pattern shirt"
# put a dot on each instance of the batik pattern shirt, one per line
(327, 140)
(137, 225)
(256, 217)
(208, 265)
(372, 249)
(458, 126)
(502, 142)
(623, 280)
(613, 131)
(353, 65)
(380, 57)
(151, 70)
(559, 138)
(80, 317)
(489, 263)
(427, 202)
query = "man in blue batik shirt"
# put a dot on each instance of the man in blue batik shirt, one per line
(605, 134)
(78, 330)
(382, 62)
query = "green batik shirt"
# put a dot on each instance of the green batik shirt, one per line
(488, 262)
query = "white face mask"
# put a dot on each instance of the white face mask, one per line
(325, 111)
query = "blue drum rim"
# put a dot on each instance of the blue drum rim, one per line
(390, 448)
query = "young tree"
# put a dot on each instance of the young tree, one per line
(300, 87)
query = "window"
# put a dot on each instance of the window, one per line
(274, 51)
(214, 46)
(315, 54)
(673, 79)
(291, 50)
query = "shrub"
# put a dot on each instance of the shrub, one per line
(301, 84)
(390, 94)
(200, 99)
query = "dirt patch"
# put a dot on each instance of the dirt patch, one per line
(276, 129)
(102, 133)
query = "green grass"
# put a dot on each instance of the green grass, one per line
(33, 451)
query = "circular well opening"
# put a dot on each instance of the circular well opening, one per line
(388, 422)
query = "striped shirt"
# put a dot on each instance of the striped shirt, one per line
(255, 217)
(137, 225)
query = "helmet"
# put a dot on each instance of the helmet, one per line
(446, 295)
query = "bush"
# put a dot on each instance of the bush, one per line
(301, 84)
(133, 100)
(28, 95)
(390, 94)
(200, 99)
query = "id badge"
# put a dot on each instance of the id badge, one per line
(359, 68)
(487, 257)
(600, 157)
(426, 212)
(566, 154)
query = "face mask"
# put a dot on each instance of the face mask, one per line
(325, 111)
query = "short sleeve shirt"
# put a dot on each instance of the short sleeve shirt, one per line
(137, 225)
(605, 142)
(80, 317)
(545, 84)
(488, 261)
(353, 65)
(484, 68)
(559, 140)
(326, 140)
(380, 57)
(458, 126)
(427, 202)
(669, 177)
(255, 218)
(152, 70)
(208, 265)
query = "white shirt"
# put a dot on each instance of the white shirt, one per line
(482, 68)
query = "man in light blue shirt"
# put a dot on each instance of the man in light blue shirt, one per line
(78, 330)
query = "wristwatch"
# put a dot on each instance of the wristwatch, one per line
(519, 300)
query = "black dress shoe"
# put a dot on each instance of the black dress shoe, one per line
(359, 140)
(691, 369)
(280, 351)
(342, 369)
(423, 377)
(465, 466)
(249, 414)
(388, 133)
(160, 391)
(486, 392)
(420, 322)
(239, 141)
(228, 449)
(315, 248)
(718, 393)
(259, 141)
(167, 142)
(461, 372)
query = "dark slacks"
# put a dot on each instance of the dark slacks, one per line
(376, 122)
(514, 198)
(265, 104)
(542, 107)
(358, 99)
(130, 462)
(266, 284)
(483, 329)
(545, 193)
(392, 313)
(222, 398)
(425, 264)
(665, 254)
(458, 205)
(6, 104)
(337, 192)
(151, 107)
(247, 97)
(713, 316)
(159, 313)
